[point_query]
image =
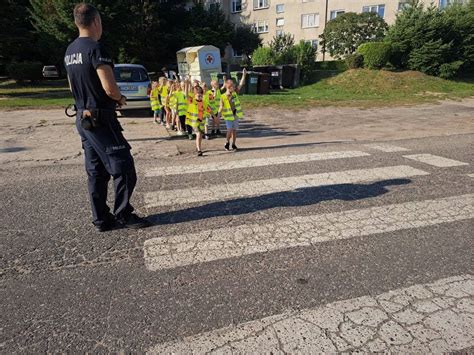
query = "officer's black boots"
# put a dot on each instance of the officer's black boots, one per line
(134, 222)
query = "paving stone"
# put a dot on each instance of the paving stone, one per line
(393, 334)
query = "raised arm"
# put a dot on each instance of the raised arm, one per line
(242, 80)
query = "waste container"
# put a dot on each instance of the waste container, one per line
(290, 74)
(251, 84)
(263, 84)
(275, 77)
(220, 78)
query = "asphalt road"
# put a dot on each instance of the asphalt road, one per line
(253, 257)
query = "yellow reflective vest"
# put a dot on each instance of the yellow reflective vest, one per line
(154, 100)
(193, 114)
(164, 96)
(227, 113)
(214, 99)
(181, 102)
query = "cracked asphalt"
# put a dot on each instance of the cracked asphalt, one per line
(372, 253)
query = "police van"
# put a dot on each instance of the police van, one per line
(134, 83)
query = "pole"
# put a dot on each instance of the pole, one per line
(325, 22)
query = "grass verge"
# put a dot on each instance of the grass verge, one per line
(358, 88)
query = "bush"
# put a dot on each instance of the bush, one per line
(354, 61)
(263, 56)
(429, 57)
(376, 54)
(338, 65)
(305, 58)
(25, 71)
(450, 70)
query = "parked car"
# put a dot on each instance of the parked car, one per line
(134, 83)
(50, 72)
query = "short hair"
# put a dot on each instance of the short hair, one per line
(199, 90)
(84, 14)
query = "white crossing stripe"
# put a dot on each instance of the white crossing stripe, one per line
(435, 160)
(425, 318)
(174, 251)
(387, 148)
(470, 175)
(262, 187)
(250, 163)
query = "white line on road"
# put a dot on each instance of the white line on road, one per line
(435, 160)
(387, 148)
(424, 318)
(262, 187)
(250, 163)
(175, 251)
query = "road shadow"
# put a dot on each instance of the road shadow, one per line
(12, 149)
(295, 198)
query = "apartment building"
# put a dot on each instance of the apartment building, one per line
(305, 19)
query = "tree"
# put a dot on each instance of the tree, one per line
(245, 40)
(427, 39)
(263, 56)
(344, 34)
(305, 58)
(283, 47)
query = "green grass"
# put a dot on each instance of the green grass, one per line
(358, 88)
(366, 88)
(46, 94)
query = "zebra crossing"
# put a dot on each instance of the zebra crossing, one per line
(404, 320)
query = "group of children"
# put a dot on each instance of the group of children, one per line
(194, 109)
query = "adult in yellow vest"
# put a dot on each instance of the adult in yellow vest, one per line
(231, 110)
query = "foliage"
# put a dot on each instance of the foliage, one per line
(149, 32)
(263, 56)
(25, 71)
(245, 40)
(305, 58)
(344, 34)
(450, 70)
(336, 65)
(426, 38)
(376, 54)
(354, 61)
(283, 47)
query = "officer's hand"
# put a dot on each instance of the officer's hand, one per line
(122, 101)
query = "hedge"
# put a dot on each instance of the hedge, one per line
(32, 71)
(376, 54)
(338, 65)
(354, 61)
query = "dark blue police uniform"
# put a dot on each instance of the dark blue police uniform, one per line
(106, 151)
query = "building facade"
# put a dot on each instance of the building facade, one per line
(305, 19)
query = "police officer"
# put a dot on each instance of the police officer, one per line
(106, 151)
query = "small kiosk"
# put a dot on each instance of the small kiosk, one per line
(199, 62)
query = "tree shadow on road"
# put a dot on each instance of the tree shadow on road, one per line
(295, 198)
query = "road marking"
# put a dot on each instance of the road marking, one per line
(250, 163)
(470, 175)
(174, 251)
(435, 160)
(387, 148)
(262, 187)
(425, 318)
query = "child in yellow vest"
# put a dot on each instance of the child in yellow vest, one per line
(198, 111)
(162, 81)
(231, 110)
(154, 101)
(173, 104)
(214, 97)
(182, 107)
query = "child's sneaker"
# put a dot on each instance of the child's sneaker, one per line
(199, 153)
(218, 132)
(206, 137)
(190, 136)
(180, 133)
(227, 145)
(234, 147)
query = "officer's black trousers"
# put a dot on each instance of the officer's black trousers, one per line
(107, 153)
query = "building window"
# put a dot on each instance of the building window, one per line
(309, 20)
(280, 22)
(260, 4)
(279, 33)
(261, 26)
(444, 3)
(214, 4)
(378, 9)
(314, 43)
(236, 54)
(235, 6)
(335, 13)
(402, 5)
(280, 8)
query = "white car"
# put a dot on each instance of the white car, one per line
(50, 71)
(134, 83)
